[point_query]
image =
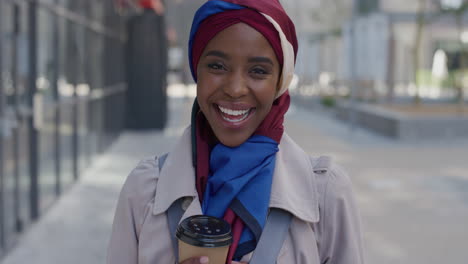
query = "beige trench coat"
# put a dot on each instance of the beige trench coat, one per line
(325, 227)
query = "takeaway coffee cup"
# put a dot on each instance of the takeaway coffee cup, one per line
(202, 235)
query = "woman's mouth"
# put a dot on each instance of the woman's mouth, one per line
(234, 116)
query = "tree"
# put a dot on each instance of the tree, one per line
(421, 20)
(457, 9)
(332, 14)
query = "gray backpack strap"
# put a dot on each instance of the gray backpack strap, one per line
(161, 160)
(272, 238)
(174, 213)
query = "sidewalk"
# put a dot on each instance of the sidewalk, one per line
(76, 229)
(413, 196)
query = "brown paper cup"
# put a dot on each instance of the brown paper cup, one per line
(202, 235)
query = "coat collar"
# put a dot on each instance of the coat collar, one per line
(177, 176)
(294, 186)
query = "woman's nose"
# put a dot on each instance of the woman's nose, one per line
(236, 86)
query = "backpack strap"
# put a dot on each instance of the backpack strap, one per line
(174, 214)
(272, 238)
(161, 160)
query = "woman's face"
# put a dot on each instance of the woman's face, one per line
(238, 75)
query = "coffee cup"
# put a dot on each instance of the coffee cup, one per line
(202, 235)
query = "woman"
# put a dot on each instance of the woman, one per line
(235, 161)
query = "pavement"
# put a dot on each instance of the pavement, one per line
(413, 196)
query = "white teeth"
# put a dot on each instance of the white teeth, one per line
(235, 120)
(233, 112)
(243, 114)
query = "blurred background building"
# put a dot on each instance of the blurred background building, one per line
(401, 48)
(62, 86)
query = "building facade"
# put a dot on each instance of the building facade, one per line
(62, 98)
(380, 56)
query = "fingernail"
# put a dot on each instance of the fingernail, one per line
(204, 260)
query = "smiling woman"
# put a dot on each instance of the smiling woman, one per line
(237, 86)
(236, 162)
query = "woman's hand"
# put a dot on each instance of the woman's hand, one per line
(203, 260)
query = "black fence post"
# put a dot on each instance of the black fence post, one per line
(2, 120)
(16, 136)
(56, 97)
(32, 89)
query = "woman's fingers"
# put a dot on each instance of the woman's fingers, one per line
(196, 260)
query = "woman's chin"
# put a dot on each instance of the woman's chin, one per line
(232, 141)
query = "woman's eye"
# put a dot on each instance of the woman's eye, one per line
(259, 71)
(215, 66)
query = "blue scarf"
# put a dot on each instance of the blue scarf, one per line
(240, 178)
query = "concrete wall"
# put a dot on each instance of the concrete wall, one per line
(403, 127)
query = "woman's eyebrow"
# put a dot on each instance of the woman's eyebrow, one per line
(261, 60)
(217, 53)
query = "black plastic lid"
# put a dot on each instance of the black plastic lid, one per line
(205, 231)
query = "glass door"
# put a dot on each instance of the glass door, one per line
(46, 108)
(14, 129)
